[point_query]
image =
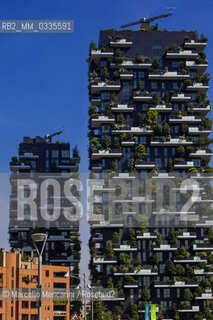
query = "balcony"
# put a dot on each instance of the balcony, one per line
(195, 44)
(16, 166)
(98, 237)
(107, 224)
(106, 154)
(96, 101)
(143, 272)
(147, 235)
(203, 109)
(165, 247)
(202, 88)
(168, 76)
(181, 97)
(142, 97)
(190, 260)
(97, 121)
(187, 119)
(184, 165)
(132, 285)
(185, 54)
(203, 247)
(104, 260)
(200, 67)
(145, 165)
(171, 142)
(97, 87)
(96, 55)
(131, 65)
(122, 43)
(205, 224)
(126, 75)
(97, 168)
(205, 296)
(58, 238)
(205, 154)
(134, 130)
(163, 176)
(125, 247)
(177, 284)
(187, 235)
(127, 143)
(68, 165)
(189, 309)
(29, 155)
(162, 108)
(122, 108)
(64, 259)
(198, 131)
(202, 272)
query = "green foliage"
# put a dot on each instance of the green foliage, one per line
(172, 236)
(109, 253)
(140, 121)
(166, 129)
(100, 312)
(117, 311)
(138, 58)
(170, 268)
(141, 152)
(116, 143)
(139, 85)
(158, 130)
(153, 260)
(106, 143)
(170, 165)
(105, 73)
(187, 295)
(210, 235)
(155, 64)
(182, 253)
(180, 151)
(184, 128)
(155, 100)
(206, 123)
(151, 117)
(116, 238)
(132, 166)
(124, 259)
(132, 238)
(92, 110)
(145, 295)
(159, 238)
(121, 119)
(114, 166)
(134, 313)
(110, 283)
(92, 46)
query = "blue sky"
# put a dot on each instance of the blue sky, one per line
(43, 77)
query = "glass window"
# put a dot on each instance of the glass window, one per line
(154, 85)
(175, 64)
(65, 153)
(141, 74)
(125, 84)
(105, 95)
(157, 42)
(174, 85)
(54, 153)
(157, 52)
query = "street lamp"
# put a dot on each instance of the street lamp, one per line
(39, 238)
(85, 300)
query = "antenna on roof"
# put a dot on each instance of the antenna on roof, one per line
(145, 22)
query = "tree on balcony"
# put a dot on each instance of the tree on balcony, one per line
(106, 143)
(134, 313)
(132, 238)
(182, 253)
(140, 120)
(210, 235)
(121, 119)
(155, 65)
(116, 143)
(110, 283)
(108, 112)
(159, 238)
(166, 129)
(172, 236)
(124, 259)
(116, 238)
(151, 117)
(141, 152)
(114, 166)
(100, 312)
(105, 73)
(174, 312)
(92, 46)
(139, 58)
(153, 260)
(139, 86)
(109, 253)
(187, 295)
(116, 314)
(170, 269)
(145, 296)
(132, 166)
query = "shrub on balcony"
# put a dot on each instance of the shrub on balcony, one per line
(170, 269)
(124, 259)
(199, 316)
(166, 129)
(206, 123)
(159, 238)
(92, 46)
(153, 260)
(109, 253)
(108, 112)
(180, 151)
(187, 295)
(130, 279)
(140, 120)
(105, 73)
(119, 286)
(182, 253)
(145, 295)
(117, 312)
(155, 64)
(203, 38)
(170, 165)
(116, 143)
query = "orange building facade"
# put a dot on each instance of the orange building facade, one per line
(17, 273)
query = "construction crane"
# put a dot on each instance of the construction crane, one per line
(145, 22)
(50, 136)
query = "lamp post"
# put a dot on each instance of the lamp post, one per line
(39, 238)
(85, 300)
